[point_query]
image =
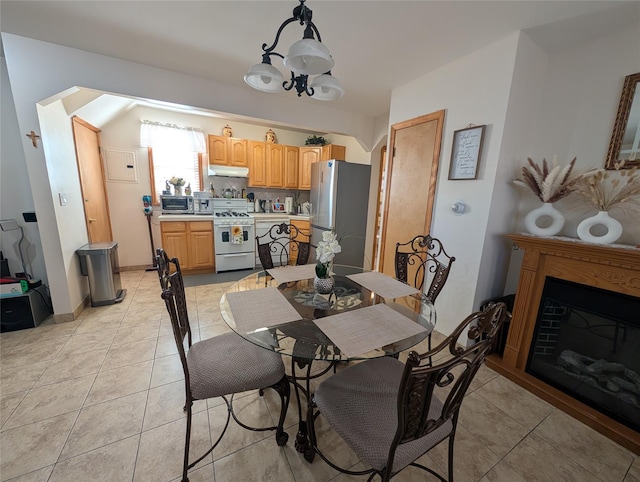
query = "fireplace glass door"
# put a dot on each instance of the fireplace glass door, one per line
(587, 344)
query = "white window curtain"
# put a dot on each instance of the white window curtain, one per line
(172, 137)
(175, 153)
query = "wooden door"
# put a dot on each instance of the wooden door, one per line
(290, 167)
(257, 164)
(414, 148)
(92, 181)
(275, 165)
(308, 155)
(217, 150)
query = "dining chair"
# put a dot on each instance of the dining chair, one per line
(390, 414)
(220, 366)
(425, 258)
(283, 243)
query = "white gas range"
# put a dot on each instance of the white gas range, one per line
(234, 235)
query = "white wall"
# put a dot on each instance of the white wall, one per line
(15, 191)
(472, 90)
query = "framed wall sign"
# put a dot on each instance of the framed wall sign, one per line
(465, 152)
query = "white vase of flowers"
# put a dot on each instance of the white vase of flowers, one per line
(177, 183)
(325, 252)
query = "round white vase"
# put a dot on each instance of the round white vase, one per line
(546, 210)
(613, 226)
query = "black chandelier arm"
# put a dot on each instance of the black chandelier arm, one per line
(300, 83)
(277, 39)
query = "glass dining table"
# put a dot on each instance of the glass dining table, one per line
(303, 341)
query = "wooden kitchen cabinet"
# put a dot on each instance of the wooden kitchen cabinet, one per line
(227, 151)
(257, 164)
(307, 156)
(291, 167)
(189, 241)
(304, 235)
(333, 151)
(275, 165)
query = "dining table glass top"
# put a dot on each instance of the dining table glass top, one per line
(302, 338)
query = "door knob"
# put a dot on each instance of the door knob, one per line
(91, 220)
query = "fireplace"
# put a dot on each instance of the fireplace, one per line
(587, 344)
(574, 337)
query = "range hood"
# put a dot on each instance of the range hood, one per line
(228, 171)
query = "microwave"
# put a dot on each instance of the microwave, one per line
(176, 204)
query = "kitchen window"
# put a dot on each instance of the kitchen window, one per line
(174, 151)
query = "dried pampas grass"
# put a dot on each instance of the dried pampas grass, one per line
(549, 185)
(607, 190)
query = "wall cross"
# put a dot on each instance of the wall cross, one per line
(34, 137)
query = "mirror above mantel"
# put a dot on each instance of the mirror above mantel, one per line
(625, 139)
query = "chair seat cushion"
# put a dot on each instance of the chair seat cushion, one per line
(228, 364)
(361, 405)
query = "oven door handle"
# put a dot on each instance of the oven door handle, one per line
(235, 255)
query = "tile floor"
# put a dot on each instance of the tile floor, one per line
(101, 398)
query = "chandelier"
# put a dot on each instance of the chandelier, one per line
(306, 57)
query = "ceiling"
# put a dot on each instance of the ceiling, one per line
(377, 45)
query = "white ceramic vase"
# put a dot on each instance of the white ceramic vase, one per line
(177, 190)
(613, 226)
(546, 210)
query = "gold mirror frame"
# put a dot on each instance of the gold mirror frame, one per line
(622, 120)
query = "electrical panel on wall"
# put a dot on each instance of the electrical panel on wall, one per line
(121, 165)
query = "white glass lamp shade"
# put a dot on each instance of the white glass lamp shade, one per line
(308, 56)
(264, 77)
(326, 87)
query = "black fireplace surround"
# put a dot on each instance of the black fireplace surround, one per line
(587, 344)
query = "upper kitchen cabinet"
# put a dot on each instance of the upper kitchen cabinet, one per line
(333, 151)
(227, 151)
(291, 167)
(307, 156)
(275, 165)
(257, 164)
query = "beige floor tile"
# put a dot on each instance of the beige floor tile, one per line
(166, 370)
(122, 355)
(497, 430)
(634, 472)
(100, 322)
(42, 351)
(526, 460)
(501, 472)
(49, 401)
(11, 339)
(483, 376)
(120, 382)
(596, 453)
(8, 404)
(34, 446)
(51, 331)
(149, 316)
(161, 452)
(40, 475)
(132, 332)
(471, 458)
(213, 330)
(203, 474)
(112, 462)
(263, 461)
(21, 378)
(515, 401)
(165, 404)
(105, 423)
(166, 345)
(89, 341)
(252, 411)
(72, 365)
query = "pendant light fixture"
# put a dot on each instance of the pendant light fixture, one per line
(308, 56)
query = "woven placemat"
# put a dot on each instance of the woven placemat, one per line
(261, 308)
(284, 274)
(383, 285)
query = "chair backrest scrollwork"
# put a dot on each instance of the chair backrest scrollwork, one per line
(278, 245)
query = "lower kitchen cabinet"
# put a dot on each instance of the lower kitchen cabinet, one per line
(189, 241)
(303, 235)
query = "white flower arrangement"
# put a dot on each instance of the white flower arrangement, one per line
(325, 252)
(177, 181)
(549, 185)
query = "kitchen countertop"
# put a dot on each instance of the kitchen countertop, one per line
(210, 217)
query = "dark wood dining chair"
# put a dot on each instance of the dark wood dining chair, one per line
(390, 414)
(281, 244)
(218, 366)
(423, 258)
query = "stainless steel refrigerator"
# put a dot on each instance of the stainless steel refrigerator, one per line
(339, 200)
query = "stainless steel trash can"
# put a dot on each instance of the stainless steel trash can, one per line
(99, 261)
